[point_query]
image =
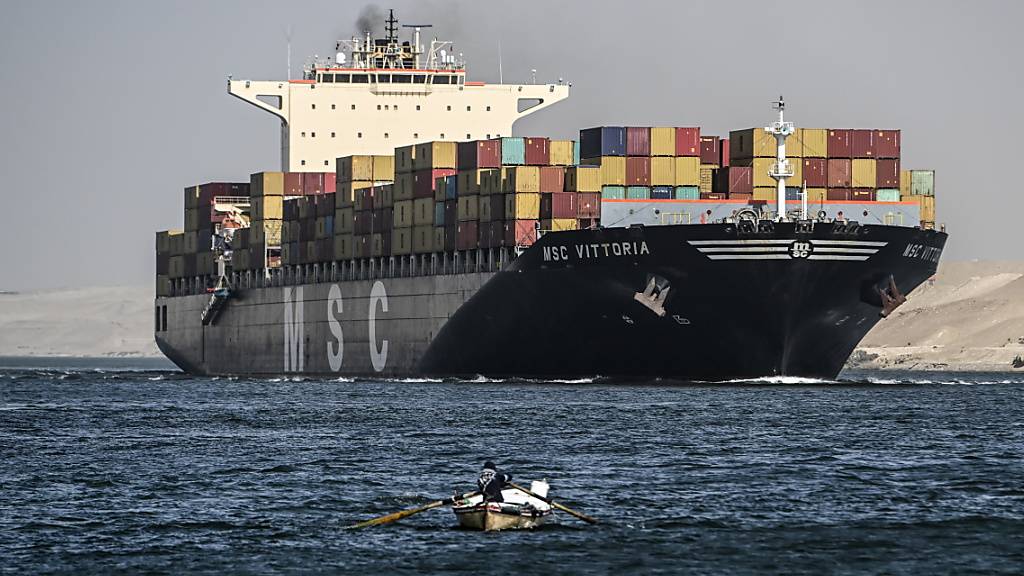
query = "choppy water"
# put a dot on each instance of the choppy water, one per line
(107, 470)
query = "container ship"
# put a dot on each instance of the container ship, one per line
(409, 233)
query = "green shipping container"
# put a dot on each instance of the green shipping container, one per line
(613, 192)
(638, 192)
(922, 182)
(575, 152)
(513, 151)
(687, 192)
(887, 195)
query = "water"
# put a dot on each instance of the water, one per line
(118, 470)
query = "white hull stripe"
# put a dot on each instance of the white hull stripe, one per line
(746, 249)
(750, 256)
(774, 249)
(773, 242)
(836, 257)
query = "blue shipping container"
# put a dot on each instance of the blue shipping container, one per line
(576, 153)
(613, 192)
(887, 195)
(438, 213)
(513, 151)
(603, 141)
(329, 225)
(662, 193)
(687, 192)
(792, 193)
(451, 191)
(638, 192)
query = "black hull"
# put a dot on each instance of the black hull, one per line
(739, 305)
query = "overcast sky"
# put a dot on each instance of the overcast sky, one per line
(111, 108)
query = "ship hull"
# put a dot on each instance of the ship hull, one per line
(689, 302)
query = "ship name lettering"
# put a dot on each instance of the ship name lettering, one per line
(596, 250)
(294, 331)
(336, 349)
(922, 252)
(378, 356)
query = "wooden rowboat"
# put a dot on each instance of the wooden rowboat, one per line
(519, 511)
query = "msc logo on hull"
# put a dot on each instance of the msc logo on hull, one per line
(779, 249)
(295, 330)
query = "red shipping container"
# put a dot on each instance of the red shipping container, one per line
(293, 184)
(638, 141)
(312, 183)
(588, 205)
(423, 181)
(468, 235)
(552, 179)
(723, 146)
(451, 237)
(887, 173)
(638, 171)
(497, 207)
(887, 144)
(485, 239)
(747, 197)
(837, 194)
(710, 152)
(520, 232)
(538, 152)
(741, 180)
(559, 205)
(840, 144)
(863, 194)
(687, 141)
(863, 143)
(330, 183)
(479, 154)
(815, 172)
(497, 233)
(712, 196)
(840, 173)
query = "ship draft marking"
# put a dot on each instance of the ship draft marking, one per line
(767, 249)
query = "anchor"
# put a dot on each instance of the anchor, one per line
(892, 298)
(654, 295)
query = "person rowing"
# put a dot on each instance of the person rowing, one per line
(492, 481)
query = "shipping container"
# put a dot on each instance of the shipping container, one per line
(451, 212)
(586, 178)
(603, 141)
(484, 209)
(468, 182)
(521, 232)
(423, 181)
(468, 235)
(563, 152)
(794, 144)
(638, 171)
(613, 192)
(588, 205)
(513, 151)
(613, 169)
(815, 143)
(887, 173)
(440, 244)
(522, 179)
(760, 170)
(497, 207)
(435, 155)
(887, 195)
(887, 144)
(266, 184)
(688, 142)
(839, 193)
(905, 182)
(865, 174)
(552, 179)
(638, 141)
(765, 194)
(840, 144)
(638, 192)
(687, 170)
(537, 151)
(922, 182)
(751, 143)
(468, 208)
(353, 168)
(293, 186)
(862, 194)
(663, 171)
(927, 204)
(451, 188)
(559, 205)
(325, 205)
(522, 206)
(439, 214)
(710, 150)
(422, 240)
(401, 241)
(344, 218)
(723, 153)
(663, 141)
(863, 143)
(423, 212)
(707, 179)
(479, 154)
(560, 224)
(662, 192)
(710, 196)
(346, 194)
(404, 156)
(343, 247)
(401, 215)
(741, 180)
(814, 172)
(377, 245)
(840, 173)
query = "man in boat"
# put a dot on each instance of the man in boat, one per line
(491, 482)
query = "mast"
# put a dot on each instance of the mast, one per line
(781, 169)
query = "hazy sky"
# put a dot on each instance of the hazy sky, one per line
(111, 108)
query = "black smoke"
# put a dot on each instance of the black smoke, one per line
(370, 18)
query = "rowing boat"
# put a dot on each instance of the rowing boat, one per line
(518, 511)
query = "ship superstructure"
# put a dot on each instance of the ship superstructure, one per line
(380, 93)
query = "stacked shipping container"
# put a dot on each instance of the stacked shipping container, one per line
(644, 162)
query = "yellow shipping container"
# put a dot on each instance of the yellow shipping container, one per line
(751, 143)
(562, 152)
(346, 192)
(522, 206)
(765, 193)
(927, 204)
(266, 207)
(266, 184)
(469, 182)
(401, 241)
(707, 179)
(864, 173)
(439, 239)
(383, 168)
(432, 155)
(524, 179)
(344, 247)
(663, 141)
(815, 142)
(423, 212)
(423, 239)
(817, 195)
(376, 245)
(344, 220)
(583, 179)
(797, 179)
(761, 167)
(663, 171)
(403, 186)
(266, 232)
(468, 208)
(795, 144)
(613, 169)
(401, 214)
(404, 156)
(905, 183)
(354, 168)
(561, 224)
(687, 171)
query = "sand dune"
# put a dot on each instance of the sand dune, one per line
(971, 317)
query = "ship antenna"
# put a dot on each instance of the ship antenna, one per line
(781, 169)
(392, 27)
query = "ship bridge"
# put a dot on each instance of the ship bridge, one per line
(379, 94)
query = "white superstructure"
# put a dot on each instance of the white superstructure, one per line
(781, 169)
(378, 94)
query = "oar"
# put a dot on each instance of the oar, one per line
(394, 517)
(566, 509)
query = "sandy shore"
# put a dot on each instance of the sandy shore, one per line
(970, 317)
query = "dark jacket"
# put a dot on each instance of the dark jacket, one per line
(491, 482)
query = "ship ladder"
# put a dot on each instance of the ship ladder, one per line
(218, 300)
